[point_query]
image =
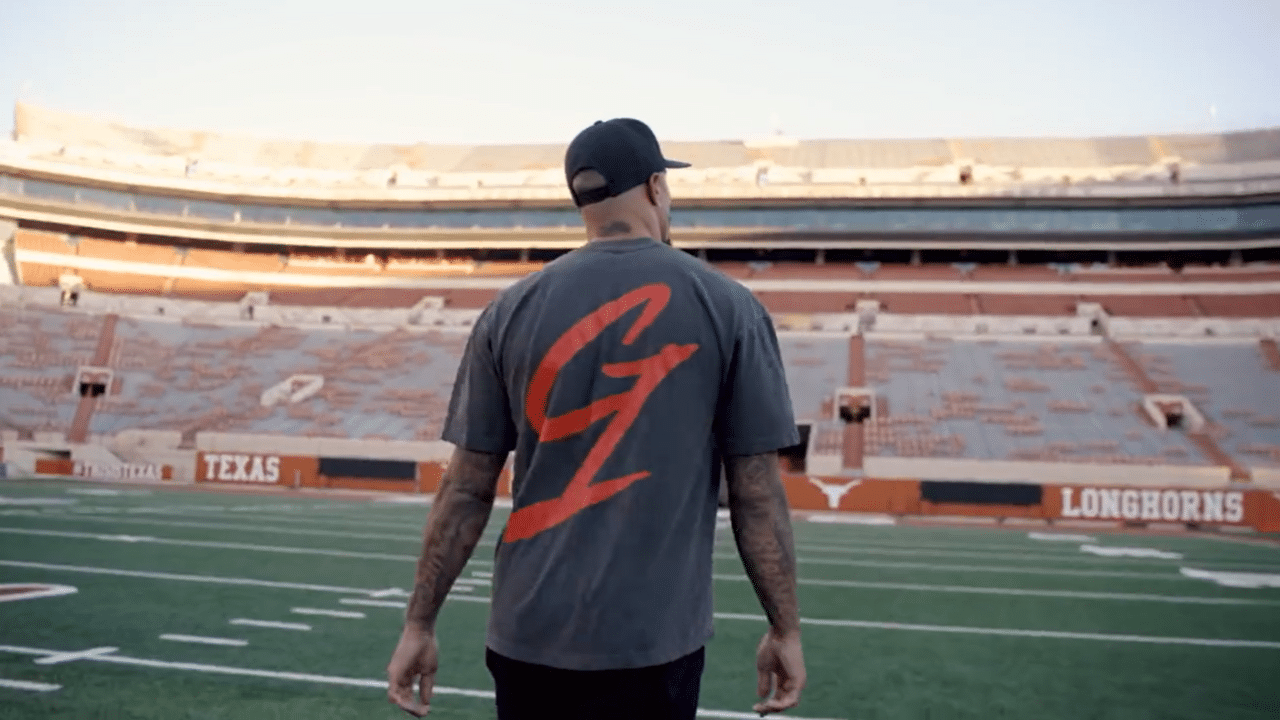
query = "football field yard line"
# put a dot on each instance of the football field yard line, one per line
(211, 544)
(414, 537)
(1079, 556)
(350, 614)
(466, 587)
(288, 550)
(1015, 570)
(246, 622)
(1021, 592)
(202, 640)
(374, 603)
(212, 579)
(90, 517)
(1013, 632)
(377, 684)
(28, 685)
(59, 658)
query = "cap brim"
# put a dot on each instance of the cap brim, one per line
(676, 164)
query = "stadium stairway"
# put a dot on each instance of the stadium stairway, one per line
(1140, 378)
(1271, 353)
(855, 433)
(79, 431)
(1202, 440)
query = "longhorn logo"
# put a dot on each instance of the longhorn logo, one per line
(833, 491)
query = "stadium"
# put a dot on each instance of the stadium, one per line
(1037, 383)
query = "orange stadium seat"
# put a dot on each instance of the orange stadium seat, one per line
(39, 274)
(230, 260)
(808, 271)
(1015, 273)
(130, 252)
(925, 303)
(1027, 304)
(1220, 274)
(211, 291)
(1145, 306)
(1240, 306)
(792, 302)
(132, 283)
(917, 272)
(1147, 275)
(42, 241)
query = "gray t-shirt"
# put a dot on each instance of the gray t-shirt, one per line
(620, 374)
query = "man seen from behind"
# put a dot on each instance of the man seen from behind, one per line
(624, 375)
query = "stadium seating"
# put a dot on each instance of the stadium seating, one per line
(377, 385)
(42, 351)
(1232, 385)
(816, 365)
(1015, 401)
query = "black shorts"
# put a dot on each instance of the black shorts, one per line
(526, 691)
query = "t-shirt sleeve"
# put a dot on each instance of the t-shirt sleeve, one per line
(479, 415)
(754, 414)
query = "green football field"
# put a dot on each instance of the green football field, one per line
(303, 597)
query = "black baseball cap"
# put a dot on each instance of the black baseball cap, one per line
(623, 150)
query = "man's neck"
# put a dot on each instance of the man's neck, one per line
(615, 230)
(621, 228)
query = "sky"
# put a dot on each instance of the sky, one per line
(511, 71)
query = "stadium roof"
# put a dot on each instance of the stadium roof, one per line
(41, 125)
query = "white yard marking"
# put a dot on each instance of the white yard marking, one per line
(376, 684)
(1112, 552)
(269, 624)
(851, 519)
(1235, 579)
(1011, 632)
(28, 685)
(735, 715)
(462, 588)
(400, 499)
(201, 640)
(59, 658)
(467, 598)
(474, 581)
(327, 613)
(127, 538)
(35, 501)
(1020, 592)
(390, 592)
(972, 554)
(212, 579)
(406, 537)
(718, 556)
(1015, 570)
(216, 545)
(45, 591)
(479, 573)
(373, 603)
(1061, 537)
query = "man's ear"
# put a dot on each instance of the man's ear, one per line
(651, 188)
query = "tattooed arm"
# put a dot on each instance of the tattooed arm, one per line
(457, 518)
(762, 527)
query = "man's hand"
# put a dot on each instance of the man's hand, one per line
(780, 664)
(417, 657)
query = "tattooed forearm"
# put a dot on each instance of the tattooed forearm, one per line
(457, 518)
(762, 527)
